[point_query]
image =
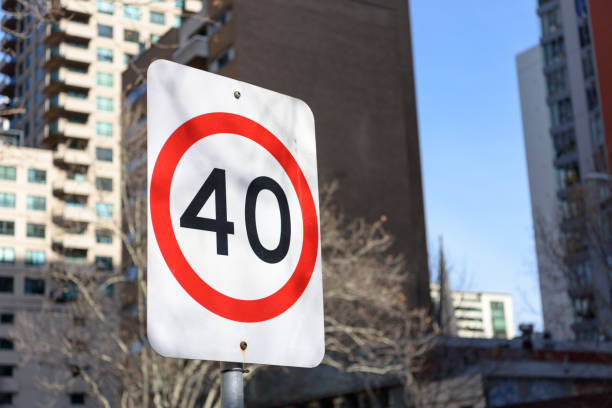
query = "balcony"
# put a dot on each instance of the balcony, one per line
(7, 65)
(62, 128)
(71, 156)
(9, 42)
(194, 51)
(64, 213)
(9, 6)
(78, 241)
(64, 105)
(7, 87)
(9, 22)
(68, 55)
(72, 187)
(67, 30)
(64, 80)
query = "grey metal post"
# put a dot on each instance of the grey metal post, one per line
(232, 389)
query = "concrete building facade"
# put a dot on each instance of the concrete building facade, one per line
(545, 209)
(575, 53)
(480, 314)
(26, 195)
(61, 86)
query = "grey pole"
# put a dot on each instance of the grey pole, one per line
(232, 389)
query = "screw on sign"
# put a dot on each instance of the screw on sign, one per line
(233, 207)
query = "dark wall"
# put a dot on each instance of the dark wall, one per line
(351, 61)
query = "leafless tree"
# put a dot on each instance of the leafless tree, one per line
(95, 338)
(576, 248)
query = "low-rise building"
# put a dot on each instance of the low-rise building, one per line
(480, 314)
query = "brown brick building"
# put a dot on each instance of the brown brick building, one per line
(351, 61)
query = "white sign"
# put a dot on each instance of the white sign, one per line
(234, 245)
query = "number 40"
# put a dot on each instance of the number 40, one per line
(222, 227)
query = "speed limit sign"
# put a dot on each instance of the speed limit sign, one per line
(234, 245)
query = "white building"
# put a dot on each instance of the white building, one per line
(480, 314)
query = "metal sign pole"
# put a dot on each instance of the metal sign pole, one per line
(232, 389)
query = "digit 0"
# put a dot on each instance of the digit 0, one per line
(277, 254)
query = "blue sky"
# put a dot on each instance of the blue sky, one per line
(473, 159)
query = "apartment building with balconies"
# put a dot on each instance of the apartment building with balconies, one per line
(61, 89)
(573, 234)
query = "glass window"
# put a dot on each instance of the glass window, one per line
(154, 38)
(77, 398)
(38, 203)
(130, 35)
(588, 69)
(104, 263)
(34, 286)
(105, 54)
(104, 183)
(7, 228)
(177, 21)
(6, 284)
(37, 176)
(551, 21)
(556, 81)
(179, 3)
(105, 31)
(104, 236)
(35, 230)
(498, 319)
(7, 200)
(39, 50)
(104, 210)
(80, 70)
(73, 202)
(77, 94)
(157, 18)
(7, 255)
(6, 370)
(8, 173)
(554, 51)
(104, 78)
(106, 6)
(131, 12)
(584, 35)
(76, 256)
(104, 104)
(104, 154)
(28, 83)
(7, 318)
(6, 344)
(34, 257)
(127, 58)
(104, 128)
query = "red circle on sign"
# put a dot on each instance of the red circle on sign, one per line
(178, 143)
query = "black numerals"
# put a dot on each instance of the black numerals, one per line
(222, 227)
(214, 183)
(277, 254)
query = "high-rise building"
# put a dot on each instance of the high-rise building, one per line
(480, 314)
(351, 63)
(26, 176)
(571, 77)
(60, 194)
(359, 84)
(543, 191)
